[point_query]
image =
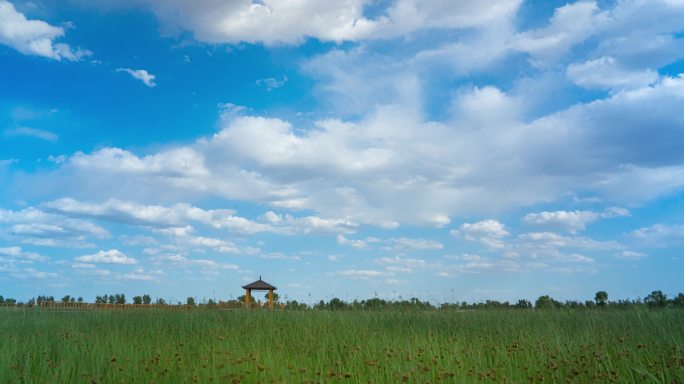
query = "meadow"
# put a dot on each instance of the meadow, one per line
(260, 346)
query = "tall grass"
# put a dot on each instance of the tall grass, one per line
(169, 346)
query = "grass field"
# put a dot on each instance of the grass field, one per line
(205, 346)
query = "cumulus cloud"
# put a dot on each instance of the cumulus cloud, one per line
(16, 254)
(393, 167)
(34, 37)
(606, 73)
(112, 256)
(278, 22)
(34, 226)
(571, 221)
(571, 24)
(140, 74)
(341, 240)
(491, 228)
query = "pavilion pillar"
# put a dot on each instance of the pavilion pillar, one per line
(248, 297)
(270, 298)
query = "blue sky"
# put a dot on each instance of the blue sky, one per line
(449, 150)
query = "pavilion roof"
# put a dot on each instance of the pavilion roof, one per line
(259, 285)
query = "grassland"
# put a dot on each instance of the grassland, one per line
(216, 346)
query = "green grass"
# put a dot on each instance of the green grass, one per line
(173, 346)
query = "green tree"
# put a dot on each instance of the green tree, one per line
(146, 299)
(160, 301)
(276, 297)
(137, 300)
(546, 302)
(120, 298)
(190, 301)
(678, 301)
(2, 299)
(656, 299)
(601, 298)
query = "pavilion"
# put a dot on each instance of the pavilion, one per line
(259, 285)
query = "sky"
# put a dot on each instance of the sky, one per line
(445, 150)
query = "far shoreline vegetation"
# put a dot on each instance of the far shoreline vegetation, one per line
(655, 299)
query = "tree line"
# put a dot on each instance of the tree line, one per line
(655, 299)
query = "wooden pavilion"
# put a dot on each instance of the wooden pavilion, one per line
(258, 285)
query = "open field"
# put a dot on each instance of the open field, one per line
(175, 346)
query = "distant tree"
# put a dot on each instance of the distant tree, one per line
(656, 299)
(601, 298)
(190, 301)
(678, 301)
(137, 300)
(2, 299)
(44, 299)
(546, 302)
(111, 299)
(211, 303)
(160, 301)
(523, 304)
(295, 305)
(336, 304)
(146, 299)
(80, 299)
(242, 298)
(120, 298)
(276, 297)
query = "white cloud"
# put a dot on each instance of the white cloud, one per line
(571, 221)
(112, 256)
(32, 273)
(606, 73)
(138, 274)
(32, 132)
(341, 240)
(34, 37)
(660, 234)
(400, 264)
(17, 254)
(277, 21)
(34, 226)
(485, 228)
(180, 260)
(630, 255)
(571, 24)
(483, 265)
(415, 244)
(612, 212)
(550, 241)
(359, 273)
(140, 74)
(271, 83)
